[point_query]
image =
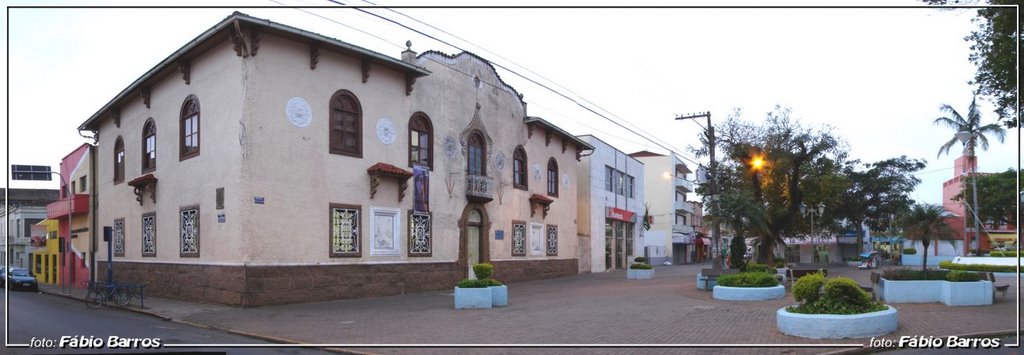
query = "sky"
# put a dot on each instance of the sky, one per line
(875, 77)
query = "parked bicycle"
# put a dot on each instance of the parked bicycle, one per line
(102, 292)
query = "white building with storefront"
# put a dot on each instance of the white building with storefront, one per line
(672, 235)
(611, 208)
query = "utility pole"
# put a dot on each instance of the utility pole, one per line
(716, 231)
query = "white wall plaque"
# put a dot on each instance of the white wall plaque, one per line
(298, 112)
(499, 161)
(385, 131)
(536, 237)
(451, 148)
(565, 180)
(536, 172)
(385, 233)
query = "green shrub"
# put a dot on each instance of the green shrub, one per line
(962, 276)
(914, 274)
(640, 259)
(807, 288)
(479, 283)
(483, 271)
(780, 264)
(639, 266)
(833, 296)
(755, 267)
(748, 279)
(846, 291)
(949, 265)
(493, 282)
(996, 254)
(909, 251)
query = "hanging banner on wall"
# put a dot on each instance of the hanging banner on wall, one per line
(421, 188)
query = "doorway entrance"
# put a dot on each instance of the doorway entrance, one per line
(473, 245)
(618, 243)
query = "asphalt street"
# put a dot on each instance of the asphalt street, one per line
(45, 319)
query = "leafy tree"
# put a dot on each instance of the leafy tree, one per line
(994, 51)
(794, 155)
(878, 192)
(998, 199)
(927, 223)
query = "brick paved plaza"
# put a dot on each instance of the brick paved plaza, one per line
(584, 310)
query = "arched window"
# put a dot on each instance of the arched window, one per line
(477, 162)
(552, 178)
(421, 142)
(149, 146)
(188, 142)
(519, 176)
(118, 160)
(346, 130)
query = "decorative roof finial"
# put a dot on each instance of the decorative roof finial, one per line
(408, 45)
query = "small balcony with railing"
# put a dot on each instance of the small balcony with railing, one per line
(79, 205)
(479, 189)
(684, 206)
(683, 184)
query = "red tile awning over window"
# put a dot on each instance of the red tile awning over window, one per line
(538, 200)
(388, 170)
(142, 184)
(142, 180)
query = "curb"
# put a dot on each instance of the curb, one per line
(210, 327)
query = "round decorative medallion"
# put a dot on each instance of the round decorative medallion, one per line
(536, 172)
(451, 148)
(565, 180)
(386, 131)
(499, 161)
(298, 112)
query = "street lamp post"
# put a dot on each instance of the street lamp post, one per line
(967, 138)
(716, 230)
(813, 211)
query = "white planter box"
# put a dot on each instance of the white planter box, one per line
(837, 326)
(917, 259)
(727, 293)
(499, 296)
(643, 274)
(949, 293)
(974, 293)
(630, 274)
(470, 298)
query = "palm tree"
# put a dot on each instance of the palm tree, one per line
(970, 125)
(971, 132)
(738, 210)
(926, 223)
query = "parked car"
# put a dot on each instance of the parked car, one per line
(19, 278)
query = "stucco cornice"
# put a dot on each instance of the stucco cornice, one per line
(228, 30)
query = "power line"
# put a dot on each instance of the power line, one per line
(648, 136)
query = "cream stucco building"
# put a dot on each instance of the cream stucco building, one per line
(671, 237)
(262, 164)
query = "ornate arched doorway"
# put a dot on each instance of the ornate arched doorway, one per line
(474, 247)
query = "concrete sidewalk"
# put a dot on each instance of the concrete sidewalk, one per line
(579, 310)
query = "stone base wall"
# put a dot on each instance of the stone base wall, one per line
(194, 283)
(267, 285)
(249, 286)
(526, 270)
